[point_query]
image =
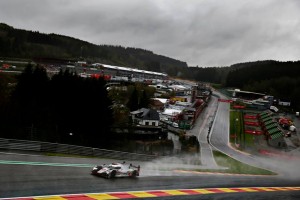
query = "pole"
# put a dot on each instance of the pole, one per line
(236, 121)
(235, 133)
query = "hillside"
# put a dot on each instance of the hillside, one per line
(280, 79)
(29, 44)
(242, 74)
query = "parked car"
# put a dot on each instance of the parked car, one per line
(175, 125)
(274, 109)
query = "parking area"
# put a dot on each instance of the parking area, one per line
(264, 140)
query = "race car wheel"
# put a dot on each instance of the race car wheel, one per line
(111, 175)
(94, 171)
(134, 174)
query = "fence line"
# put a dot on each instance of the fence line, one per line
(37, 146)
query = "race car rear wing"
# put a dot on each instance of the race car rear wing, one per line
(138, 167)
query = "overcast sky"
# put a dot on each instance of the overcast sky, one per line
(200, 32)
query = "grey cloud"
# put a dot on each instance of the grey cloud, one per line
(200, 32)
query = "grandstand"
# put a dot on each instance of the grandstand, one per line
(247, 95)
(129, 72)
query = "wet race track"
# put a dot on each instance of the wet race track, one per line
(24, 175)
(43, 175)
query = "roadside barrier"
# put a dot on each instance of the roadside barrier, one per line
(46, 147)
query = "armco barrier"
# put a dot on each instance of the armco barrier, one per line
(26, 145)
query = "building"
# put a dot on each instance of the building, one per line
(246, 95)
(145, 117)
(131, 73)
(158, 103)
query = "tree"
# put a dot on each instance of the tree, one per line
(49, 110)
(29, 101)
(133, 102)
(144, 100)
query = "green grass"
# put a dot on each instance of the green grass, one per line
(235, 126)
(69, 155)
(237, 167)
(249, 141)
(216, 86)
(237, 130)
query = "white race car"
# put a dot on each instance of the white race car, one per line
(116, 170)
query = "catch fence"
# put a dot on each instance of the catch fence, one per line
(46, 147)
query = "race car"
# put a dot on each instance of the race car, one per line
(116, 170)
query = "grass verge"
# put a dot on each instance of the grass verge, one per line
(69, 155)
(235, 167)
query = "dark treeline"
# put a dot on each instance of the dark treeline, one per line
(280, 79)
(262, 70)
(209, 74)
(30, 44)
(64, 109)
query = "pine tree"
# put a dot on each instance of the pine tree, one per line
(144, 100)
(133, 102)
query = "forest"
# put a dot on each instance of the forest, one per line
(19, 43)
(32, 45)
(64, 109)
(280, 79)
